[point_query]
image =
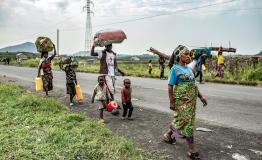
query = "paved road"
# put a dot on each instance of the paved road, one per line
(228, 105)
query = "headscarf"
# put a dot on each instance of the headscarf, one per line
(180, 49)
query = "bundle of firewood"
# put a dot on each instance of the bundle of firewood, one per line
(160, 54)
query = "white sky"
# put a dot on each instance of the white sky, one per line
(239, 22)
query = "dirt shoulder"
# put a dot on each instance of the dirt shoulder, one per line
(148, 127)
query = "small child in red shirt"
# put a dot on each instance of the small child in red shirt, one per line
(126, 92)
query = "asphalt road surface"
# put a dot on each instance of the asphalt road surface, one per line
(228, 105)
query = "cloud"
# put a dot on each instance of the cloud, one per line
(21, 18)
(116, 8)
(63, 5)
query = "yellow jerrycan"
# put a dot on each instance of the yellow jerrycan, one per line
(38, 84)
(203, 67)
(79, 95)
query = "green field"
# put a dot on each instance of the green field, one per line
(33, 127)
(139, 69)
(245, 76)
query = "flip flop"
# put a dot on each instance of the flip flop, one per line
(168, 140)
(193, 156)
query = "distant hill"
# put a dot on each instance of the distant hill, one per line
(24, 47)
(259, 54)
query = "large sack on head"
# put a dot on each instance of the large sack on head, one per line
(44, 44)
(106, 37)
(65, 60)
(196, 53)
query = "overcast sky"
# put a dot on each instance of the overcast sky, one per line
(239, 22)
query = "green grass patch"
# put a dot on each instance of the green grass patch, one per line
(251, 76)
(245, 76)
(33, 127)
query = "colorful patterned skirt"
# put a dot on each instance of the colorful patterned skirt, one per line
(220, 70)
(47, 82)
(185, 96)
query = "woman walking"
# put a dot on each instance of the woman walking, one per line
(47, 75)
(183, 94)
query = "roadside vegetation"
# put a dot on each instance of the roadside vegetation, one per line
(33, 127)
(244, 76)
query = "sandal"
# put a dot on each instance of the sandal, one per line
(194, 156)
(169, 140)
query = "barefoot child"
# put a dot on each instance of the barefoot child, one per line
(70, 78)
(100, 95)
(126, 99)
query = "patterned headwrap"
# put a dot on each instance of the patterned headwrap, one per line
(180, 49)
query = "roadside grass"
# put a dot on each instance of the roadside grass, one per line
(244, 76)
(33, 127)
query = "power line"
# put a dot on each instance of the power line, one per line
(233, 10)
(165, 14)
(214, 11)
(159, 15)
(145, 17)
(153, 5)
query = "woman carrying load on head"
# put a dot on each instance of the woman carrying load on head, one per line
(183, 94)
(45, 67)
(108, 66)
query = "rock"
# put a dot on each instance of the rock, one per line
(204, 129)
(237, 156)
(256, 152)
(229, 146)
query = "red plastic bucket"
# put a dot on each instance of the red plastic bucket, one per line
(112, 105)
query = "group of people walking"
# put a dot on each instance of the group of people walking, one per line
(182, 90)
(105, 89)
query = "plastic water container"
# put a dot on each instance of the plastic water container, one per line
(79, 95)
(38, 84)
(203, 67)
(111, 106)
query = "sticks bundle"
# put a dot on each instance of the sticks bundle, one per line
(160, 54)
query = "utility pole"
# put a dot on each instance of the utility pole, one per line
(57, 41)
(88, 34)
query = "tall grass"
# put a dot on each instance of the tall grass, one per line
(34, 127)
(249, 75)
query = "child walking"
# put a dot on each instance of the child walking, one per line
(71, 81)
(100, 95)
(126, 93)
(150, 67)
